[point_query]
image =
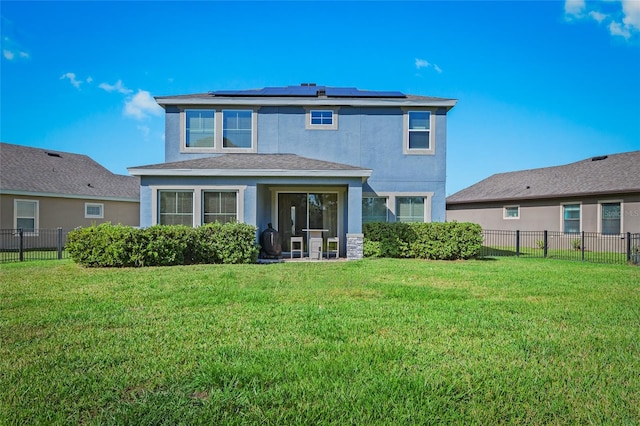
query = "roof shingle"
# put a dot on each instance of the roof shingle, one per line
(37, 170)
(616, 173)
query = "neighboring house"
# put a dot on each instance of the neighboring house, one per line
(45, 189)
(599, 194)
(300, 157)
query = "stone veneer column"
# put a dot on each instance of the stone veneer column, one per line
(355, 246)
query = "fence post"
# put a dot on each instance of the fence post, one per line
(59, 243)
(518, 243)
(545, 242)
(21, 244)
(628, 246)
(582, 245)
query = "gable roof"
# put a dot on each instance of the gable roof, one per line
(306, 94)
(607, 174)
(252, 165)
(44, 172)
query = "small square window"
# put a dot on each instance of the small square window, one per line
(321, 118)
(237, 129)
(512, 212)
(93, 211)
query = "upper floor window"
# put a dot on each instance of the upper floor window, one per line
(611, 214)
(237, 129)
(374, 209)
(321, 119)
(94, 210)
(571, 218)
(200, 125)
(26, 215)
(418, 133)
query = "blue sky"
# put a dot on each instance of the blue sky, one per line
(538, 83)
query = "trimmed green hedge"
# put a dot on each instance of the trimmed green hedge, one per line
(435, 240)
(109, 245)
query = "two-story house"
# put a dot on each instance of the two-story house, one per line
(300, 157)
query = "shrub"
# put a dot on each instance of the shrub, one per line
(109, 245)
(436, 240)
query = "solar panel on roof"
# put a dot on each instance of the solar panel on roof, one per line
(309, 91)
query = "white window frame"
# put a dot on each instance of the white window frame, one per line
(334, 119)
(87, 215)
(391, 202)
(507, 217)
(562, 207)
(432, 132)
(231, 191)
(198, 199)
(600, 203)
(36, 219)
(184, 131)
(218, 131)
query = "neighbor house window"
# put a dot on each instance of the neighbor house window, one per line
(571, 218)
(374, 209)
(511, 212)
(200, 128)
(26, 215)
(93, 210)
(410, 209)
(611, 215)
(220, 207)
(175, 207)
(237, 129)
(419, 130)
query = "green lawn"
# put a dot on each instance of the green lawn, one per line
(518, 341)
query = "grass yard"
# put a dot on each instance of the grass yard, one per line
(385, 341)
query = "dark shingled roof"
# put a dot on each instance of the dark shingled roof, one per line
(610, 174)
(252, 162)
(37, 170)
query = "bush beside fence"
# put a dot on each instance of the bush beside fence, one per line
(109, 245)
(435, 240)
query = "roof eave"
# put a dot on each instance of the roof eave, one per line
(361, 173)
(283, 101)
(544, 197)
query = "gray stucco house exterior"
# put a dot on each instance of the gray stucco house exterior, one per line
(300, 157)
(599, 194)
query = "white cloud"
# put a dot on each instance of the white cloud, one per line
(423, 63)
(597, 16)
(118, 87)
(618, 29)
(620, 17)
(12, 50)
(8, 54)
(141, 105)
(72, 79)
(631, 11)
(574, 8)
(89, 79)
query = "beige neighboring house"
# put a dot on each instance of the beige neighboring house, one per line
(46, 189)
(599, 194)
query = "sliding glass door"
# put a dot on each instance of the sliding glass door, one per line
(306, 210)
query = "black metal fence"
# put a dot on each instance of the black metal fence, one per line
(584, 246)
(17, 245)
